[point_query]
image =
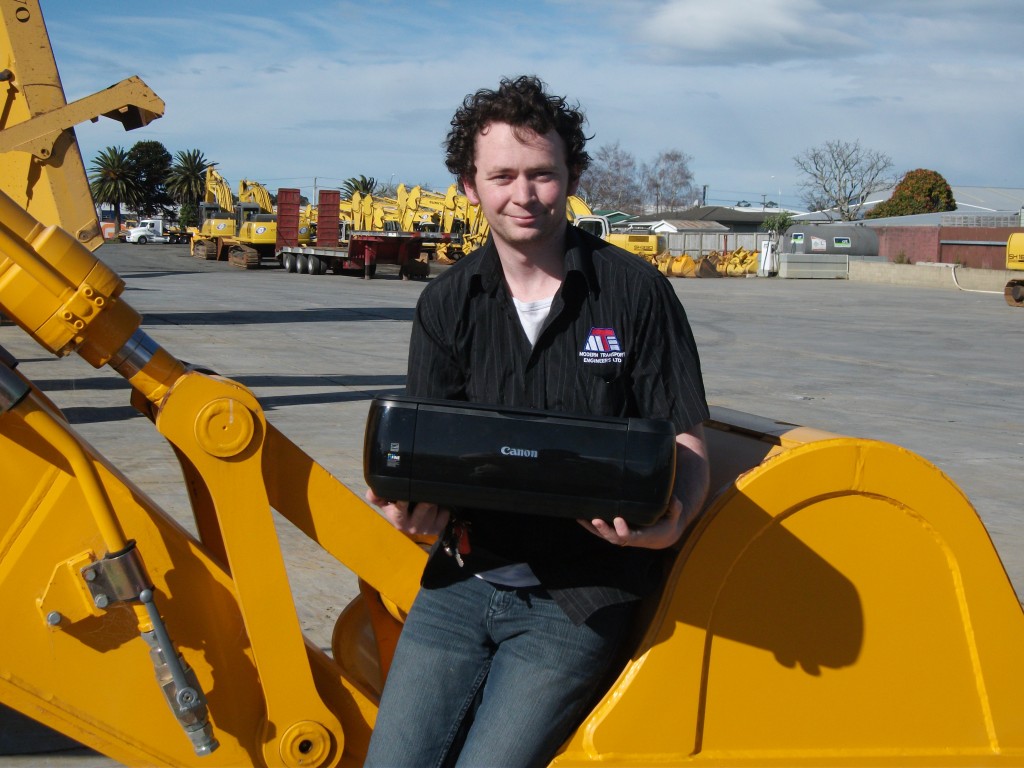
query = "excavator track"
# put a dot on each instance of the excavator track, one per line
(205, 249)
(1014, 293)
(243, 256)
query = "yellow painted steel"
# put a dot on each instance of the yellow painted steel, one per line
(56, 290)
(253, 192)
(1015, 251)
(40, 163)
(89, 675)
(838, 604)
(736, 263)
(258, 232)
(220, 434)
(650, 247)
(244, 232)
(685, 265)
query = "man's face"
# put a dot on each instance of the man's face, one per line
(521, 185)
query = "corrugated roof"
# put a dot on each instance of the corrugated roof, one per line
(980, 199)
(707, 226)
(969, 200)
(712, 213)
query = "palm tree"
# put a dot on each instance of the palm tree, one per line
(186, 182)
(362, 185)
(113, 180)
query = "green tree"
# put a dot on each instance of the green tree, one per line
(188, 215)
(362, 185)
(186, 183)
(152, 164)
(919, 191)
(113, 181)
(777, 223)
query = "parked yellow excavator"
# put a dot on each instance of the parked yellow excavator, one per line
(838, 603)
(647, 245)
(1013, 292)
(241, 230)
(257, 226)
(216, 217)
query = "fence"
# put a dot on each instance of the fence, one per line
(982, 220)
(698, 244)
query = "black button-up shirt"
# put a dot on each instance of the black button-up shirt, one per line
(616, 343)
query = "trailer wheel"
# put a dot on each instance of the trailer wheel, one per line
(302, 264)
(316, 265)
(288, 262)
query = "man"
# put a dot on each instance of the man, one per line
(506, 645)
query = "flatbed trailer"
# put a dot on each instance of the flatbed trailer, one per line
(339, 250)
(362, 251)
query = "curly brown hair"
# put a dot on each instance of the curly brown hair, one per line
(522, 103)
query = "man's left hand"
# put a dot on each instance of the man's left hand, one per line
(659, 535)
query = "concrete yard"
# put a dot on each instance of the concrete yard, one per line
(934, 370)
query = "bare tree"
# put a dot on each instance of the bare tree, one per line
(840, 175)
(668, 181)
(612, 180)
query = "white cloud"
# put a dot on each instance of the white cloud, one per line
(335, 89)
(741, 32)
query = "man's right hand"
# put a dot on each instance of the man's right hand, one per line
(422, 520)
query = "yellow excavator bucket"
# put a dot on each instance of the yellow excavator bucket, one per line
(840, 604)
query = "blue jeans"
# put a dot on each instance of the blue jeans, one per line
(507, 663)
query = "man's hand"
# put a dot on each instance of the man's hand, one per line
(422, 520)
(659, 535)
(692, 478)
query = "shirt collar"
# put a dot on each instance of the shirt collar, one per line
(578, 265)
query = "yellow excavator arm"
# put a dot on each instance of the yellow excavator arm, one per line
(218, 190)
(41, 166)
(254, 192)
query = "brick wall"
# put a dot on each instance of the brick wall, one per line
(908, 243)
(971, 246)
(975, 254)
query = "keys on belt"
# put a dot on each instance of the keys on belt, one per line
(455, 540)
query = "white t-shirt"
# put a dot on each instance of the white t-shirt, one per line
(532, 315)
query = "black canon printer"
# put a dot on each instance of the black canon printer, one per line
(460, 454)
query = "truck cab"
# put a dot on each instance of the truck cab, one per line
(643, 243)
(149, 231)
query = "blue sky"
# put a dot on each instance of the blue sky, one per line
(304, 93)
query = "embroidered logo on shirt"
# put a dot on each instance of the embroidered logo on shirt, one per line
(602, 346)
